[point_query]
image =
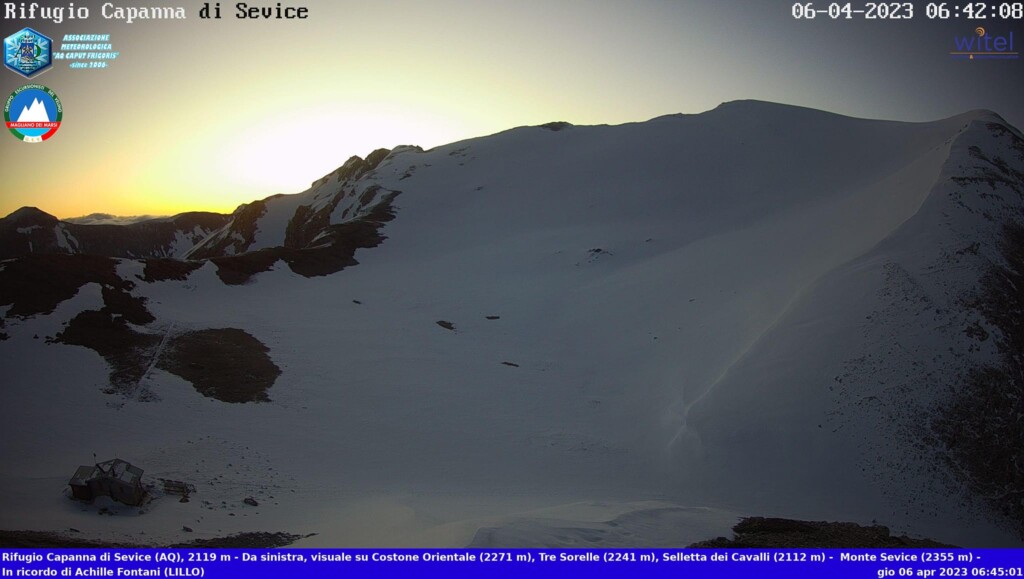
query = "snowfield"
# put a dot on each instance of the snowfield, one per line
(663, 325)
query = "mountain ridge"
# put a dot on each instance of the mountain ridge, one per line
(30, 230)
(222, 242)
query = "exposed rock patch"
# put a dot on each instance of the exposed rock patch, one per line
(227, 364)
(51, 540)
(768, 533)
(237, 237)
(127, 351)
(307, 224)
(258, 540)
(355, 167)
(31, 231)
(36, 284)
(335, 253)
(165, 269)
(146, 239)
(981, 425)
(123, 304)
(238, 269)
(556, 126)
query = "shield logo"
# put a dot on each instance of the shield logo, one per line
(27, 52)
(28, 49)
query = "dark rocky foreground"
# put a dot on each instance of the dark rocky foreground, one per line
(979, 427)
(30, 231)
(71, 540)
(761, 532)
(227, 364)
(752, 532)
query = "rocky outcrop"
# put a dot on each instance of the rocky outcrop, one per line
(32, 231)
(770, 533)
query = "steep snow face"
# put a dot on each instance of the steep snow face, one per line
(655, 311)
(863, 362)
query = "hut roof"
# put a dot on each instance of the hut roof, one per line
(121, 470)
(83, 475)
(115, 468)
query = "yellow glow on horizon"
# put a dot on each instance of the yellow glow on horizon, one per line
(263, 135)
(160, 134)
(282, 143)
(285, 153)
(243, 160)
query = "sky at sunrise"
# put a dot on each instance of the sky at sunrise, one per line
(201, 114)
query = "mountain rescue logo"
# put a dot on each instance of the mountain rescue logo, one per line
(33, 113)
(27, 52)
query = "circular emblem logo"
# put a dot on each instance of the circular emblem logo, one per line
(33, 113)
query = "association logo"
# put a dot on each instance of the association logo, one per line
(33, 113)
(27, 52)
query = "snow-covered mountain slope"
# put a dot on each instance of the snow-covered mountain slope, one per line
(29, 230)
(894, 336)
(758, 310)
